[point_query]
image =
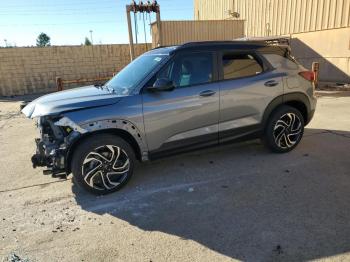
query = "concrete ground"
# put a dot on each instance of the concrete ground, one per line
(237, 202)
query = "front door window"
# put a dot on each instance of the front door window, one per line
(189, 70)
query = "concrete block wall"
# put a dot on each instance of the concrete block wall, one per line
(29, 70)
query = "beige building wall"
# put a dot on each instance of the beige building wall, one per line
(320, 29)
(31, 70)
(278, 17)
(331, 48)
(179, 32)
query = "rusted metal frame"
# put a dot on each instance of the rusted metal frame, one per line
(59, 84)
(316, 70)
(142, 8)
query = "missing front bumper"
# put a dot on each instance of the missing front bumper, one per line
(49, 156)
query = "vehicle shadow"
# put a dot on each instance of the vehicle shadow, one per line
(244, 202)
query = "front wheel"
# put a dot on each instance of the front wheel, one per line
(284, 129)
(103, 164)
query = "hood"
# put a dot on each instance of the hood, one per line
(74, 99)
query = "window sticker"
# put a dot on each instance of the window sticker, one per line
(157, 59)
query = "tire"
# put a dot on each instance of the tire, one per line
(103, 164)
(284, 129)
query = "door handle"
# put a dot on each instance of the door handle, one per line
(271, 83)
(207, 93)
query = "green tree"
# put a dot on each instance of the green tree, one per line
(87, 41)
(43, 40)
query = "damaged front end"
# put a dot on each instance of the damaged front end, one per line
(57, 131)
(56, 136)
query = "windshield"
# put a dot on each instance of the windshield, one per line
(127, 79)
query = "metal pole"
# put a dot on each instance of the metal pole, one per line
(92, 42)
(160, 40)
(131, 40)
(136, 29)
(144, 29)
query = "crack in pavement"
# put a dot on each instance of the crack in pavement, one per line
(6, 118)
(327, 132)
(9, 115)
(35, 185)
(315, 134)
(337, 134)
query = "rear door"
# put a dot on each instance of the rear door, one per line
(188, 116)
(248, 85)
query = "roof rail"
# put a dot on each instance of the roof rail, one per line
(273, 40)
(196, 43)
(213, 43)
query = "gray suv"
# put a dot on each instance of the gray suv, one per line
(170, 100)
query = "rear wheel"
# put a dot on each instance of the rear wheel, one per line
(103, 164)
(284, 129)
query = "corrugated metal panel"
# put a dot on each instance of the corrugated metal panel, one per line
(345, 18)
(178, 32)
(219, 9)
(278, 17)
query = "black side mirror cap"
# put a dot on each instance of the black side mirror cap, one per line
(162, 84)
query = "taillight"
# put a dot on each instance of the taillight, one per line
(308, 75)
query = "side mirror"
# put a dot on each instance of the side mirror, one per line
(162, 84)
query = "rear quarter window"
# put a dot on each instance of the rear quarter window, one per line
(240, 65)
(278, 61)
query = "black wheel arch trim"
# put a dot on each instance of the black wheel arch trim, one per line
(123, 128)
(284, 99)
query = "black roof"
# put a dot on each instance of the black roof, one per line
(218, 45)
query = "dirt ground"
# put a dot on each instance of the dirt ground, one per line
(235, 202)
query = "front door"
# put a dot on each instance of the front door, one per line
(187, 116)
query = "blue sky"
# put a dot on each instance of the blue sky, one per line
(68, 22)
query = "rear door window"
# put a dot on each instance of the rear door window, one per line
(240, 65)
